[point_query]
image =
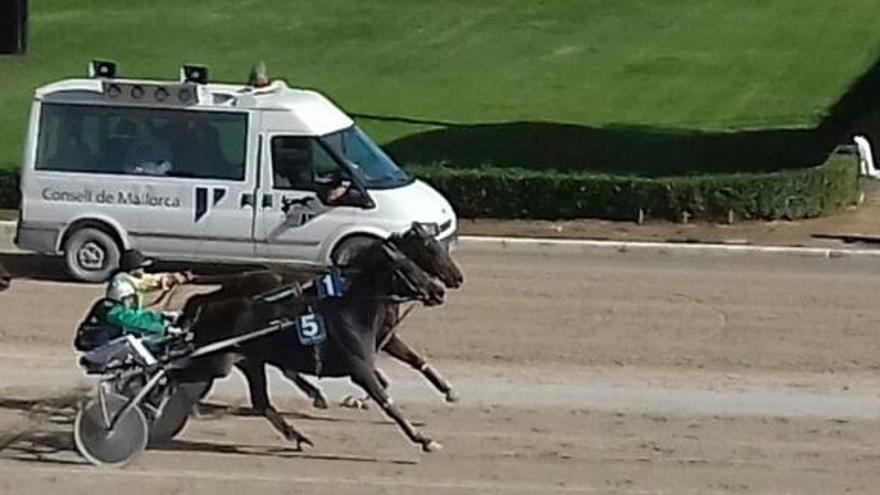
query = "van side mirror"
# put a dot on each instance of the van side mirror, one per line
(354, 196)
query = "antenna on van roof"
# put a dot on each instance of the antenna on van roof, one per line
(102, 68)
(194, 74)
(258, 77)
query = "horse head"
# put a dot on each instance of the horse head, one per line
(383, 263)
(420, 246)
(411, 281)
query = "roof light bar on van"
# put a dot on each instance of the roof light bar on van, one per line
(102, 68)
(194, 74)
(147, 93)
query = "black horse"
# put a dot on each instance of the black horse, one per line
(417, 244)
(377, 278)
(5, 278)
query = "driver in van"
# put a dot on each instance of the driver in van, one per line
(126, 290)
(292, 170)
(290, 165)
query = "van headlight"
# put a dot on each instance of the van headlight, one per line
(431, 228)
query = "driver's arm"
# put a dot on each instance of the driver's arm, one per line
(337, 187)
(150, 282)
(136, 321)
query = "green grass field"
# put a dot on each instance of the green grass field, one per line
(679, 64)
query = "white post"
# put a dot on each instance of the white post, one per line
(866, 158)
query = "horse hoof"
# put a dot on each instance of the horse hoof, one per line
(352, 402)
(298, 439)
(452, 397)
(431, 446)
(320, 402)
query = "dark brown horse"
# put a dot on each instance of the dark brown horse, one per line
(5, 278)
(417, 244)
(378, 277)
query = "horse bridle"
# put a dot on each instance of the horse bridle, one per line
(397, 258)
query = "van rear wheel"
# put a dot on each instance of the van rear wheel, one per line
(91, 255)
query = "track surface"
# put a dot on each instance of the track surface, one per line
(581, 372)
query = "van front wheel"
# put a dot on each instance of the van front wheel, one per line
(91, 255)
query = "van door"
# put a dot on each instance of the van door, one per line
(218, 184)
(293, 222)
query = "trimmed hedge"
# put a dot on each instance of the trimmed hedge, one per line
(494, 192)
(10, 196)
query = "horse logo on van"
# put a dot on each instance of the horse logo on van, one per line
(201, 204)
(298, 212)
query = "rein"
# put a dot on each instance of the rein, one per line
(393, 329)
(298, 290)
(161, 297)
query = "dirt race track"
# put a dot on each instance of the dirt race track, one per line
(581, 371)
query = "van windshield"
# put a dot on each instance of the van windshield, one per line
(367, 160)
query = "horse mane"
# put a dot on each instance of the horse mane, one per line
(367, 256)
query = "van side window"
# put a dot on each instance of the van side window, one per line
(142, 141)
(64, 146)
(300, 163)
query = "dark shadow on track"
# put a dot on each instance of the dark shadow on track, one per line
(42, 430)
(212, 411)
(266, 451)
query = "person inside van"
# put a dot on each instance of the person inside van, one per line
(123, 134)
(183, 141)
(150, 155)
(214, 163)
(72, 153)
(290, 164)
(335, 189)
(292, 169)
(126, 291)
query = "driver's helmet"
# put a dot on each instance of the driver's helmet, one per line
(121, 290)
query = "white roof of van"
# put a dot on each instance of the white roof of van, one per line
(300, 110)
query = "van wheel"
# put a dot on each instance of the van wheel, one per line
(345, 250)
(91, 255)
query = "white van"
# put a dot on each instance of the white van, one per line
(188, 170)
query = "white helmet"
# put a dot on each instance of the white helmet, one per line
(120, 289)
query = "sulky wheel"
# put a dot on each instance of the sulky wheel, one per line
(115, 447)
(174, 413)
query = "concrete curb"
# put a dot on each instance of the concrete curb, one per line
(575, 246)
(585, 245)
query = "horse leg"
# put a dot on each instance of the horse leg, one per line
(255, 373)
(382, 378)
(319, 400)
(352, 402)
(364, 376)
(399, 349)
(196, 411)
